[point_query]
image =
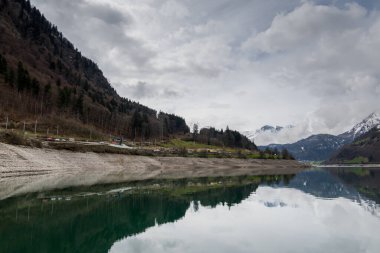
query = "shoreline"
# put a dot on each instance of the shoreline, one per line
(361, 165)
(26, 170)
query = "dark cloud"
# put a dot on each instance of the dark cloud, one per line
(99, 30)
(144, 90)
(168, 93)
(108, 14)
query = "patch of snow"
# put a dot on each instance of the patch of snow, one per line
(367, 124)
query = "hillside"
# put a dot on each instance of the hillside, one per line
(314, 148)
(364, 149)
(45, 79)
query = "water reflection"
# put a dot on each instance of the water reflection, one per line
(302, 223)
(313, 211)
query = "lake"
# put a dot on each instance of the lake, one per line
(319, 210)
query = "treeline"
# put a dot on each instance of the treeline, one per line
(283, 154)
(227, 138)
(47, 75)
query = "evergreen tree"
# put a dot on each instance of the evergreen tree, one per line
(21, 79)
(285, 154)
(3, 65)
(78, 106)
(10, 77)
(64, 97)
(35, 87)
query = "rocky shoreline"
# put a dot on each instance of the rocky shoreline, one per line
(24, 169)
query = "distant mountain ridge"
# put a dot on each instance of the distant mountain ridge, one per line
(321, 147)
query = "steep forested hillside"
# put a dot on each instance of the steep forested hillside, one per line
(364, 149)
(45, 79)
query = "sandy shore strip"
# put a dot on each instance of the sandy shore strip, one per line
(24, 170)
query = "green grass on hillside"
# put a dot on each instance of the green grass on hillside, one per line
(177, 143)
(357, 160)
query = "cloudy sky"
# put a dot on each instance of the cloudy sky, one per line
(241, 63)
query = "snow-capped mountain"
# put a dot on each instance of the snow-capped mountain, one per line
(268, 134)
(363, 127)
(322, 146)
(264, 130)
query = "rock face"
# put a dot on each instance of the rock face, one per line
(364, 149)
(25, 170)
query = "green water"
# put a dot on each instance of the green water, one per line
(313, 211)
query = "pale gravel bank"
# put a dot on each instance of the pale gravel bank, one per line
(24, 170)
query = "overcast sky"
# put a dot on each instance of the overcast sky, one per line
(241, 63)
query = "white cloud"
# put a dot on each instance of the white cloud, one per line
(306, 24)
(271, 62)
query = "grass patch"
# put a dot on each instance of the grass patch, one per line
(357, 160)
(14, 138)
(178, 143)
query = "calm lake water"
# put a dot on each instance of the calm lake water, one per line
(329, 210)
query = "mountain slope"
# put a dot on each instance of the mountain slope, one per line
(314, 148)
(44, 78)
(363, 127)
(364, 149)
(322, 146)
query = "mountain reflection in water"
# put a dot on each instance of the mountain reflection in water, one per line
(313, 211)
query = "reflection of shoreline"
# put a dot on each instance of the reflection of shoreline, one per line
(271, 220)
(365, 180)
(375, 166)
